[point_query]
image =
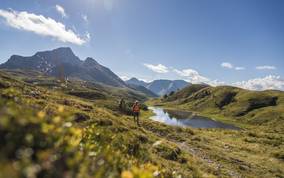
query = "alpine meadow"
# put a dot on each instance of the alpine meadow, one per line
(142, 89)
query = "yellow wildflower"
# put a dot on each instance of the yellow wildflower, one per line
(41, 114)
(56, 119)
(60, 108)
(126, 174)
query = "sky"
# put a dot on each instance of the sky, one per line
(219, 42)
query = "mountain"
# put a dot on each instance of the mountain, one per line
(143, 90)
(160, 87)
(63, 63)
(135, 81)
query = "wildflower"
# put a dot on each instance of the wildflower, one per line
(56, 119)
(67, 124)
(60, 109)
(92, 153)
(157, 143)
(126, 174)
(156, 173)
(41, 114)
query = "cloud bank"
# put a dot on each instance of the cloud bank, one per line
(265, 67)
(270, 82)
(40, 25)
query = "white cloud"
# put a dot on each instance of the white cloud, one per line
(240, 68)
(265, 67)
(157, 68)
(85, 18)
(88, 36)
(124, 78)
(265, 83)
(40, 25)
(60, 10)
(145, 80)
(231, 66)
(191, 75)
(227, 65)
(216, 83)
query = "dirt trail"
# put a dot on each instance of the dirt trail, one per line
(204, 158)
(199, 154)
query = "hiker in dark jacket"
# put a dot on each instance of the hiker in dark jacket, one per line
(136, 112)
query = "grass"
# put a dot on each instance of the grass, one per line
(46, 132)
(256, 150)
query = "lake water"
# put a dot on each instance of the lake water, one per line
(182, 118)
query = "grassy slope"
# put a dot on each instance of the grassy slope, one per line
(258, 146)
(265, 108)
(41, 137)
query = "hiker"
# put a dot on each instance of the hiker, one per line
(136, 112)
(122, 105)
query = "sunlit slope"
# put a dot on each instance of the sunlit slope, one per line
(51, 128)
(257, 107)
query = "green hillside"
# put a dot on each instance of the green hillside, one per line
(49, 128)
(53, 128)
(231, 104)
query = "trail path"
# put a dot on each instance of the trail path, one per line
(201, 155)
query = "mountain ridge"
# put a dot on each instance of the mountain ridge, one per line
(161, 86)
(62, 62)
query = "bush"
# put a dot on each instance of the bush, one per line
(165, 96)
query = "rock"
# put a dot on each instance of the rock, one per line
(3, 85)
(243, 167)
(143, 138)
(81, 117)
(119, 129)
(67, 102)
(104, 122)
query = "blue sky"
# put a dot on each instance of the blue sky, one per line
(236, 42)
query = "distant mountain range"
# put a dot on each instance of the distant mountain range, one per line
(62, 62)
(159, 87)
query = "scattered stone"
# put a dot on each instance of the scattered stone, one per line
(3, 85)
(81, 117)
(67, 102)
(243, 167)
(104, 122)
(143, 138)
(133, 148)
(119, 129)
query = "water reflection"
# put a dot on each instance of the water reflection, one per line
(182, 118)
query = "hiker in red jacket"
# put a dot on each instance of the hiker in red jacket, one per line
(136, 112)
